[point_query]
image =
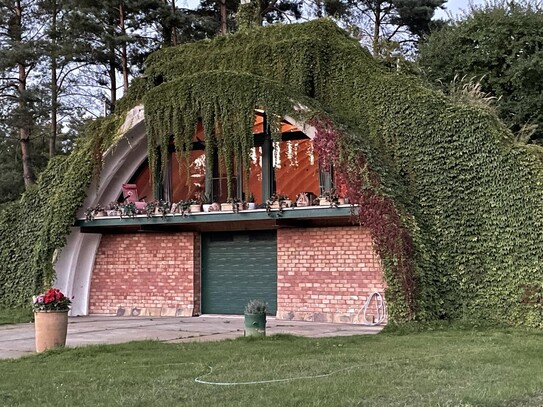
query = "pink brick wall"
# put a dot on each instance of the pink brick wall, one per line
(146, 274)
(325, 274)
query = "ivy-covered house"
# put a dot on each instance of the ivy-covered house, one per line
(307, 262)
(445, 208)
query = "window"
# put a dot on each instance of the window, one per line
(288, 167)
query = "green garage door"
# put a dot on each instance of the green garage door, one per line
(237, 267)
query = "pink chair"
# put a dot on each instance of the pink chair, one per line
(130, 194)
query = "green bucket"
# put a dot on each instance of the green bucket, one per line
(255, 324)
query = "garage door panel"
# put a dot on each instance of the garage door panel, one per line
(237, 267)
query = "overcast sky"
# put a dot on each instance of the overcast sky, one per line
(456, 7)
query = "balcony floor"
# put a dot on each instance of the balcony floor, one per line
(258, 219)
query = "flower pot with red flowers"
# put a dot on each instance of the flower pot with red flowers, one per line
(50, 319)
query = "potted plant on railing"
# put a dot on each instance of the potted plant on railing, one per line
(89, 214)
(255, 318)
(251, 201)
(195, 206)
(278, 201)
(112, 209)
(50, 319)
(285, 201)
(128, 210)
(182, 208)
(272, 203)
(232, 204)
(206, 200)
(329, 198)
(95, 212)
(162, 208)
(150, 208)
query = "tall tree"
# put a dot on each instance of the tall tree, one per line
(19, 56)
(61, 51)
(501, 46)
(379, 22)
(113, 30)
(258, 12)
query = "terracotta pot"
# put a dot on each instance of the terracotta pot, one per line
(51, 328)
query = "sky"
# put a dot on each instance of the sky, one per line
(456, 7)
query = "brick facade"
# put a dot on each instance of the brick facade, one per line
(146, 274)
(326, 274)
(323, 274)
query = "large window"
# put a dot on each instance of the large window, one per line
(288, 167)
(182, 184)
(296, 168)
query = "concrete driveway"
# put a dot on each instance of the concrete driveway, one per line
(18, 340)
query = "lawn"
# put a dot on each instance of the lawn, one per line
(454, 367)
(16, 315)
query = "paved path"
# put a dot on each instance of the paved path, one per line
(18, 340)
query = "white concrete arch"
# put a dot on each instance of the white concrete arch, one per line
(76, 260)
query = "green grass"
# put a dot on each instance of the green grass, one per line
(455, 367)
(15, 315)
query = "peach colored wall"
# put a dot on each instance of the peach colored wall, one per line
(326, 274)
(146, 274)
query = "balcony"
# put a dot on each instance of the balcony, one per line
(257, 219)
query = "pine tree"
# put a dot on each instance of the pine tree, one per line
(20, 40)
(380, 22)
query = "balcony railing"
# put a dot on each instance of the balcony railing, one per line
(310, 216)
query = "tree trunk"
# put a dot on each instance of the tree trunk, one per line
(54, 87)
(222, 8)
(24, 133)
(54, 108)
(174, 30)
(376, 30)
(112, 80)
(124, 57)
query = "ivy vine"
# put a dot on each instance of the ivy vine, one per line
(454, 205)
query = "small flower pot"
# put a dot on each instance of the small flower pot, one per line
(195, 208)
(324, 202)
(251, 205)
(255, 325)
(206, 207)
(226, 207)
(51, 328)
